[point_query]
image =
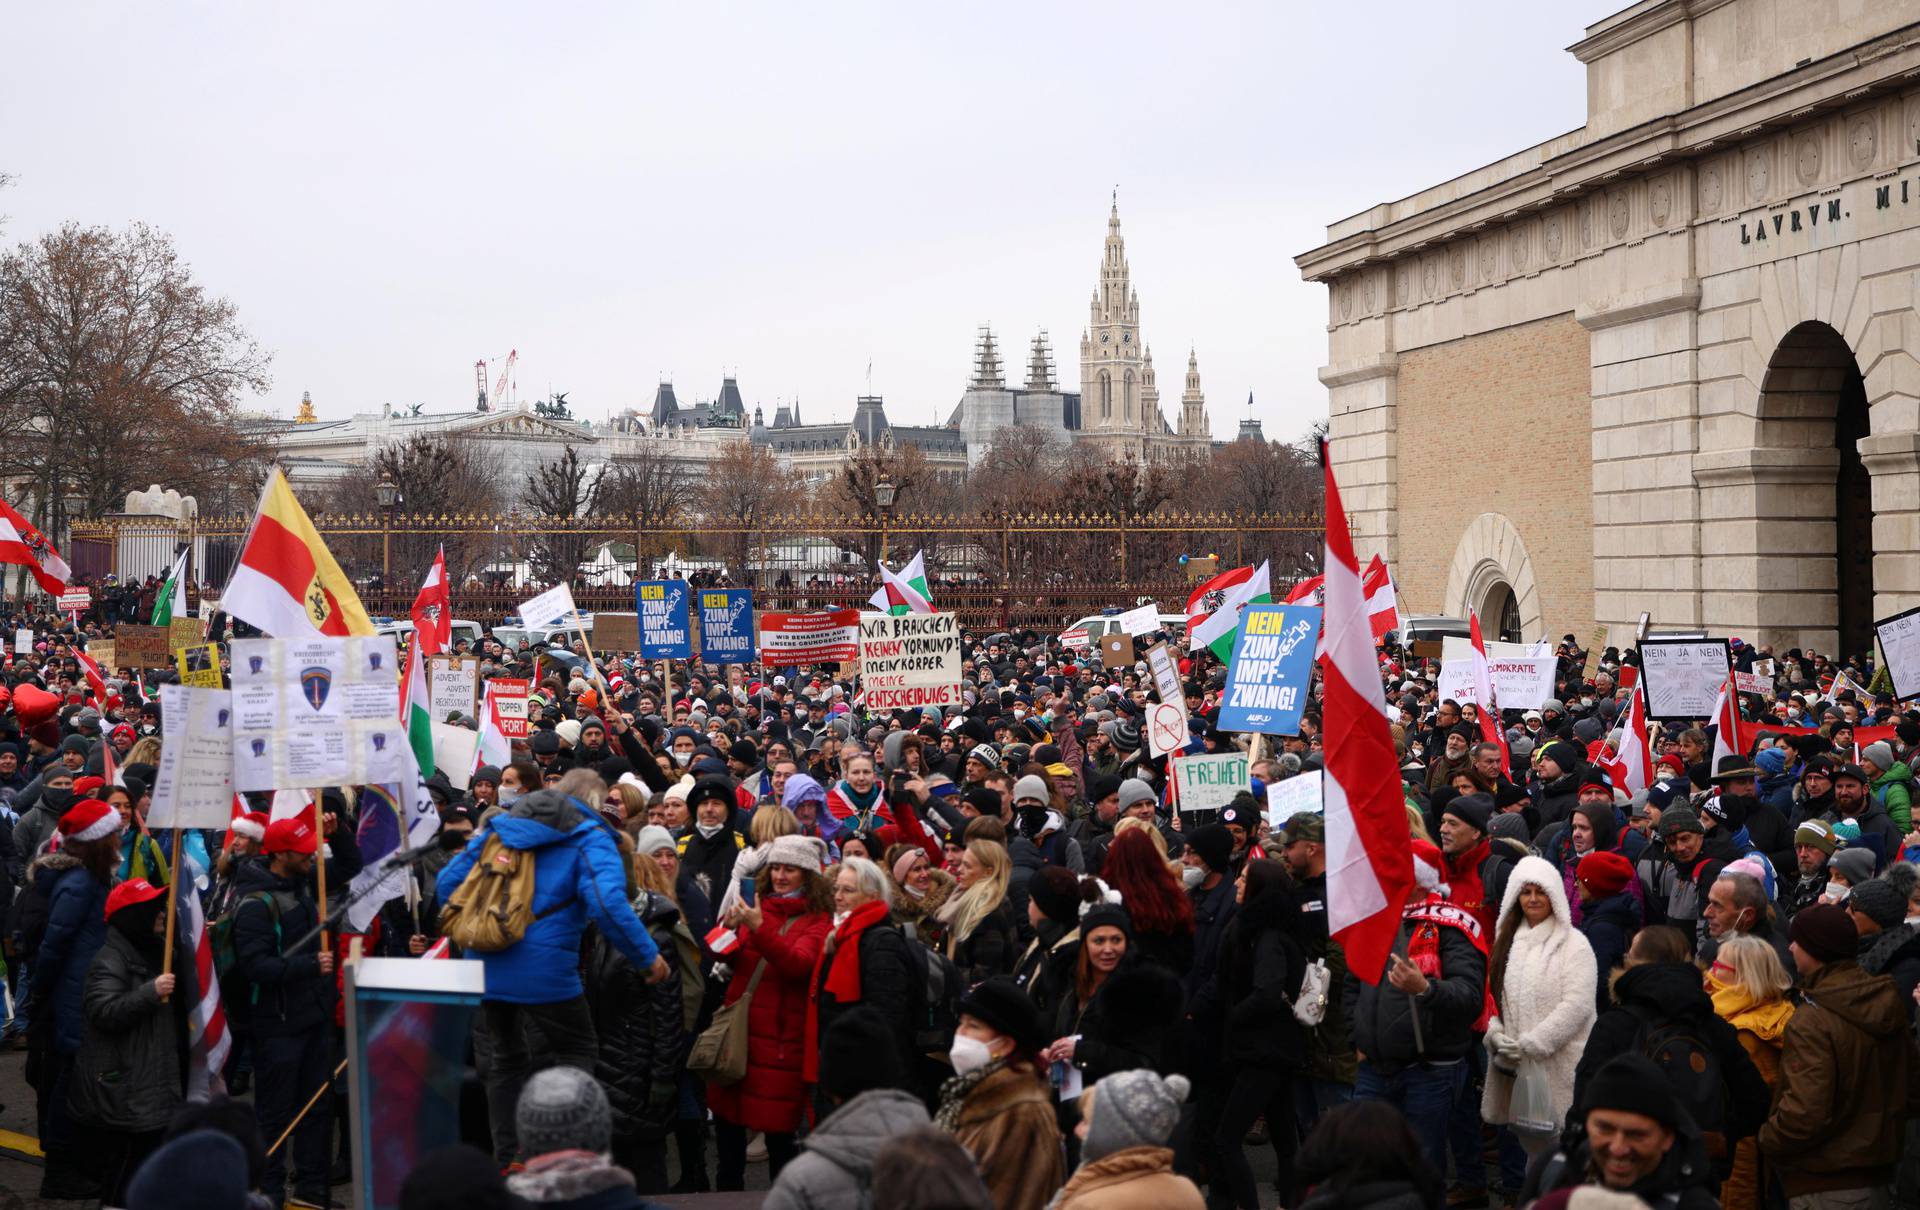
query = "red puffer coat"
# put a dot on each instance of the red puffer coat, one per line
(772, 1094)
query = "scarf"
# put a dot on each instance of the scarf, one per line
(1767, 1022)
(840, 960)
(1423, 944)
(954, 1093)
(864, 805)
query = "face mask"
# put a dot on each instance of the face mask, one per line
(59, 800)
(452, 840)
(1019, 712)
(1033, 820)
(1833, 893)
(507, 797)
(968, 1054)
(681, 758)
(709, 830)
(1192, 876)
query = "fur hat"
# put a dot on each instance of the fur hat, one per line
(1000, 1003)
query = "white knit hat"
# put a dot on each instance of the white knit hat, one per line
(801, 852)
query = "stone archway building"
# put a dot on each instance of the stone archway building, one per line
(1664, 362)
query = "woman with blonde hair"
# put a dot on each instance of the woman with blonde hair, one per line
(922, 888)
(979, 922)
(1748, 985)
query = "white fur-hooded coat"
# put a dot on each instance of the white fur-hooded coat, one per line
(1547, 993)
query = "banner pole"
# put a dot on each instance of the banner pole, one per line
(320, 863)
(606, 694)
(173, 897)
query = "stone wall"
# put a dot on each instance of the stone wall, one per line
(1498, 423)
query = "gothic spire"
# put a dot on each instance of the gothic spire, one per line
(1040, 366)
(986, 363)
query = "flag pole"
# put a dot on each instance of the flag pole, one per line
(173, 898)
(593, 665)
(320, 862)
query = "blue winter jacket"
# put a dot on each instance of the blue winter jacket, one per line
(577, 875)
(76, 929)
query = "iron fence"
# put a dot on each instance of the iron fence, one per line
(1002, 570)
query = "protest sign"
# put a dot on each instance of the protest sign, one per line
(1291, 795)
(453, 752)
(665, 631)
(1143, 620)
(1900, 644)
(1683, 677)
(552, 607)
(1460, 647)
(616, 632)
(74, 600)
(1760, 668)
(910, 660)
(1166, 728)
(143, 646)
(1116, 651)
(1751, 682)
(315, 712)
(103, 653)
(199, 666)
(726, 625)
(1166, 674)
(1209, 780)
(1519, 682)
(1595, 643)
(453, 687)
(829, 637)
(1271, 671)
(193, 787)
(509, 698)
(183, 632)
(23, 643)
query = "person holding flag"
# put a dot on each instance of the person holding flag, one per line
(905, 591)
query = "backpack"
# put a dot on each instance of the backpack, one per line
(693, 988)
(492, 908)
(937, 988)
(1694, 1073)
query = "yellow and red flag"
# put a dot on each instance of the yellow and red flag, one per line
(286, 582)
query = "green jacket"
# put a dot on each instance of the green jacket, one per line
(1895, 788)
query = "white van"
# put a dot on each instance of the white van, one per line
(1096, 626)
(469, 633)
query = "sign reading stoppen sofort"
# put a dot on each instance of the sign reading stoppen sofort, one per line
(910, 659)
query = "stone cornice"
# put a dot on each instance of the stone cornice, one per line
(1764, 464)
(1663, 299)
(1878, 66)
(1361, 369)
(1624, 29)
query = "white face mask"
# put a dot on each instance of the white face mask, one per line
(709, 830)
(1833, 893)
(681, 758)
(968, 1054)
(1193, 876)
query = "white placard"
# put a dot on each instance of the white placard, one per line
(1166, 676)
(315, 712)
(1290, 796)
(193, 786)
(1751, 682)
(1458, 647)
(23, 642)
(1166, 728)
(453, 685)
(553, 605)
(1683, 679)
(1209, 780)
(1142, 620)
(1519, 682)
(453, 752)
(1900, 645)
(1764, 668)
(910, 660)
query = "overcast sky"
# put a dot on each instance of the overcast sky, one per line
(629, 191)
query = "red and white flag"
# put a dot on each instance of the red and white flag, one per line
(1632, 767)
(207, 1038)
(1369, 848)
(1486, 706)
(1308, 592)
(1727, 740)
(433, 609)
(1383, 603)
(25, 546)
(96, 683)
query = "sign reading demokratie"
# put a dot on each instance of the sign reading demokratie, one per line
(912, 659)
(829, 637)
(315, 712)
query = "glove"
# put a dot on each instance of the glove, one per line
(1509, 1050)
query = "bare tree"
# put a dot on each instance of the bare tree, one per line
(1020, 470)
(434, 475)
(656, 493)
(854, 493)
(559, 493)
(746, 485)
(117, 370)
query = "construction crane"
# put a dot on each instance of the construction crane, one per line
(500, 387)
(480, 383)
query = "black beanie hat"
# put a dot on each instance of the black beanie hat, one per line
(1214, 844)
(860, 1054)
(984, 799)
(1000, 1003)
(1475, 809)
(1099, 785)
(1631, 1083)
(1825, 931)
(1056, 892)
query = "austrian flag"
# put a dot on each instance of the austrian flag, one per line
(24, 546)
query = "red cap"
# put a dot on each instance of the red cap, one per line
(1676, 761)
(1605, 873)
(132, 891)
(85, 787)
(290, 836)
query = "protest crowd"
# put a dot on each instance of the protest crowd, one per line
(745, 921)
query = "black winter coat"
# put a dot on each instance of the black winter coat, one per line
(1129, 1023)
(291, 996)
(1895, 953)
(707, 863)
(1662, 992)
(638, 1026)
(1212, 910)
(886, 986)
(1382, 1015)
(1610, 925)
(1045, 970)
(990, 949)
(131, 1070)
(1261, 964)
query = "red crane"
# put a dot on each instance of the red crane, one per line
(500, 387)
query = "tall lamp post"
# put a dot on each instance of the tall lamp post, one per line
(883, 494)
(388, 495)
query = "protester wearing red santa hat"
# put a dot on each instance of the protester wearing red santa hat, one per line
(1416, 1026)
(73, 879)
(129, 1077)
